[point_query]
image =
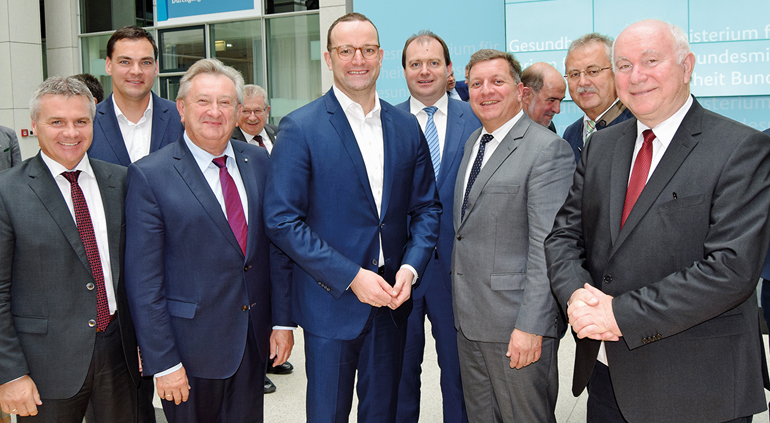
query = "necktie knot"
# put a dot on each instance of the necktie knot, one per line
(431, 110)
(486, 138)
(220, 162)
(648, 135)
(71, 176)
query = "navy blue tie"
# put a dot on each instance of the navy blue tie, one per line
(475, 170)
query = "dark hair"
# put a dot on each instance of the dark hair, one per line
(424, 36)
(490, 54)
(350, 17)
(93, 85)
(131, 32)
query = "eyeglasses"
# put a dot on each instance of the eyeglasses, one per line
(255, 111)
(591, 72)
(369, 51)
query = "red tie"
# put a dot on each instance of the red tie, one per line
(258, 139)
(233, 204)
(86, 231)
(638, 174)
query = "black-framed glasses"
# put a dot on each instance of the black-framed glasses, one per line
(255, 111)
(369, 51)
(591, 72)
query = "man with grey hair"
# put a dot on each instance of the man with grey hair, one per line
(592, 87)
(252, 126)
(656, 253)
(543, 93)
(66, 333)
(512, 179)
(199, 260)
(10, 155)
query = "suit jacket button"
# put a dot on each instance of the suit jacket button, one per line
(658, 336)
(244, 308)
(91, 323)
(245, 268)
(382, 226)
(607, 278)
(374, 262)
(459, 237)
(90, 286)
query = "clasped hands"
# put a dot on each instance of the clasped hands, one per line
(591, 316)
(371, 288)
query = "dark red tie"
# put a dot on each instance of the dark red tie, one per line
(638, 174)
(86, 231)
(258, 139)
(233, 204)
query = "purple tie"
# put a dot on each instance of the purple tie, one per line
(233, 204)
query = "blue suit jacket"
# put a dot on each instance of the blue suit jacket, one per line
(461, 122)
(462, 90)
(319, 209)
(574, 133)
(191, 287)
(108, 144)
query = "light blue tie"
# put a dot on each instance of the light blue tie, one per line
(431, 134)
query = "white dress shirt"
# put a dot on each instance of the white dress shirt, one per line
(598, 118)
(93, 197)
(497, 137)
(136, 136)
(439, 118)
(265, 140)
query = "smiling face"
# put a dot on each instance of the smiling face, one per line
(133, 69)
(543, 105)
(593, 95)
(426, 71)
(651, 82)
(208, 111)
(252, 116)
(64, 128)
(494, 95)
(356, 77)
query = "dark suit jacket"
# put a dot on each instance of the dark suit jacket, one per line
(190, 286)
(108, 144)
(320, 211)
(10, 155)
(44, 303)
(461, 123)
(462, 90)
(271, 130)
(574, 133)
(682, 270)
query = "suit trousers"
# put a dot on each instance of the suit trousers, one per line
(237, 399)
(108, 387)
(331, 366)
(494, 392)
(602, 406)
(437, 305)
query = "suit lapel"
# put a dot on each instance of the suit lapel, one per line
(47, 191)
(340, 123)
(112, 201)
(190, 172)
(621, 168)
(452, 141)
(391, 152)
(251, 183)
(461, 171)
(159, 122)
(108, 124)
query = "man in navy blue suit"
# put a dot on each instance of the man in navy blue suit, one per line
(447, 124)
(198, 271)
(133, 122)
(592, 87)
(352, 201)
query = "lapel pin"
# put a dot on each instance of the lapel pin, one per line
(246, 159)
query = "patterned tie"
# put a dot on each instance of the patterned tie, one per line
(475, 170)
(590, 128)
(86, 231)
(638, 174)
(258, 140)
(233, 205)
(431, 134)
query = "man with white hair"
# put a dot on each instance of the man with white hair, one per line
(656, 254)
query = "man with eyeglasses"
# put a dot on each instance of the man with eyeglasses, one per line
(252, 119)
(352, 201)
(592, 87)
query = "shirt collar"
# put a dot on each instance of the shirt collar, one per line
(348, 105)
(666, 130)
(57, 168)
(119, 113)
(598, 118)
(203, 157)
(500, 133)
(416, 106)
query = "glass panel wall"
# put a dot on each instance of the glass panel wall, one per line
(94, 58)
(293, 63)
(239, 44)
(109, 15)
(180, 48)
(283, 6)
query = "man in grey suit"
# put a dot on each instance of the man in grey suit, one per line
(10, 155)
(66, 334)
(513, 178)
(252, 119)
(659, 247)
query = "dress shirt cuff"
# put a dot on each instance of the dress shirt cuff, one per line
(169, 371)
(411, 269)
(283, 328)
(15, 379)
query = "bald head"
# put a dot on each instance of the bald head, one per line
(544, 89)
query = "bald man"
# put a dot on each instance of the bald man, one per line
(544, 89)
